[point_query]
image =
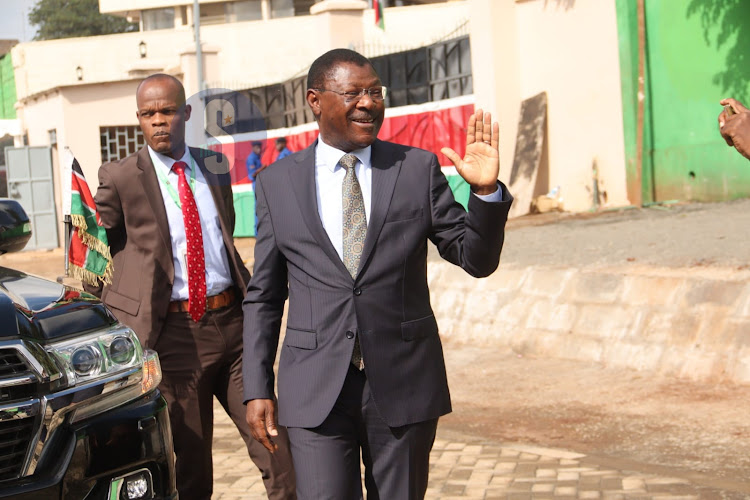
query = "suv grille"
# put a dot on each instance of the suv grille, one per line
(15, 436)
(17, 427)
(11, 363)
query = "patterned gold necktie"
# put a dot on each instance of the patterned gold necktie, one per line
(355, 218)
(354, 230)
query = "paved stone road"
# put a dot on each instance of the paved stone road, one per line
(469, 466)
(465, 467)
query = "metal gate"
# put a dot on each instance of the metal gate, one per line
(30, 183)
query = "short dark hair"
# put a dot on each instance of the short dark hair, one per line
(257, 143)
(322, 67)
(164, 76)
(281, 140)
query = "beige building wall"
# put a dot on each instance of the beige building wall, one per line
(236, 55)
(40, 66)
(118, 6)
(86, 108)
(413, 27)
(519, 48)
(249, 54)
(252, 54)
(495, 64)
(570, 50)
(76, 113)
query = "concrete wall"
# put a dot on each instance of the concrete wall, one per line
(495, 63)
(576, 62)
(251, 53)
(672, 321)
(88, 108)
(238, 55)
(45, 65)
(567, 49)
(411, 27)
(77, 113)
(118, 6)
(570, 51)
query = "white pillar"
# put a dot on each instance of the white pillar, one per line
(496, 69)
(340, 23)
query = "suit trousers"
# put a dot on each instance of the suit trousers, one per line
(201, 360)
(327, 458)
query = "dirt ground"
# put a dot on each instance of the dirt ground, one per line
(637, 420)
(697, 431)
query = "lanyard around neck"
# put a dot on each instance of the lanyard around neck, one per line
(170, 188)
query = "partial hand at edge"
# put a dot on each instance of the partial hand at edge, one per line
(735, 128)
(481, 163)
(261, 417)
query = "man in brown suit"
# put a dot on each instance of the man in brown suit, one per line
(177, 282)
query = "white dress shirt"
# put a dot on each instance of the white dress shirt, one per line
(218, 276)
(329, 178)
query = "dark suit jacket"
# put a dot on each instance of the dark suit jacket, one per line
(131, 207)
(388, 304)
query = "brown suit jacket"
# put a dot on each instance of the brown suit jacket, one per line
(132, 210)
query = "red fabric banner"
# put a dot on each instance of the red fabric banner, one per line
(430, 130)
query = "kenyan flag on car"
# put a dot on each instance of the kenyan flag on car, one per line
(88, 252)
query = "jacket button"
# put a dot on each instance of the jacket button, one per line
(350, 334)
(357, 291)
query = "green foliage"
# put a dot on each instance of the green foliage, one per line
(71, 18)
(728, 22)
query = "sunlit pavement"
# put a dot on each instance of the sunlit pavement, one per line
(469, 467)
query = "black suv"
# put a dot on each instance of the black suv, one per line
(80, 413)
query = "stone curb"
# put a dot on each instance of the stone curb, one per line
(678, 322)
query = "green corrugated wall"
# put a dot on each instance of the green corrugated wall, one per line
(696, 53)
(7, 89)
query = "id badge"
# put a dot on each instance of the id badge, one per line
(182, 258)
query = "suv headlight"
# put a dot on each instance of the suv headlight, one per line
(104, 370)
(98, 355)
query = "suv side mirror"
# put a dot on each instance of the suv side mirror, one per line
(15, 227)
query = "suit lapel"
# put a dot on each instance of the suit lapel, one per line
(150, 184)
(213, 181)
(385, 170)
(302, 180)
(214, 185)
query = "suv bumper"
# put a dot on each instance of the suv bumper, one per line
(90, 456)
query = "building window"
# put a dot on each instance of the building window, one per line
(302, 7)
(247, 10)
(214, 13)
(158, 19)
(282, 8)
(119, 142)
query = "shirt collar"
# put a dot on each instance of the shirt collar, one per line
(165, 162)
(329, 157)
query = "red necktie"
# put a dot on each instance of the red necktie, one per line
(196, 263)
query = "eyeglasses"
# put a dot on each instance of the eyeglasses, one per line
(375, 93)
